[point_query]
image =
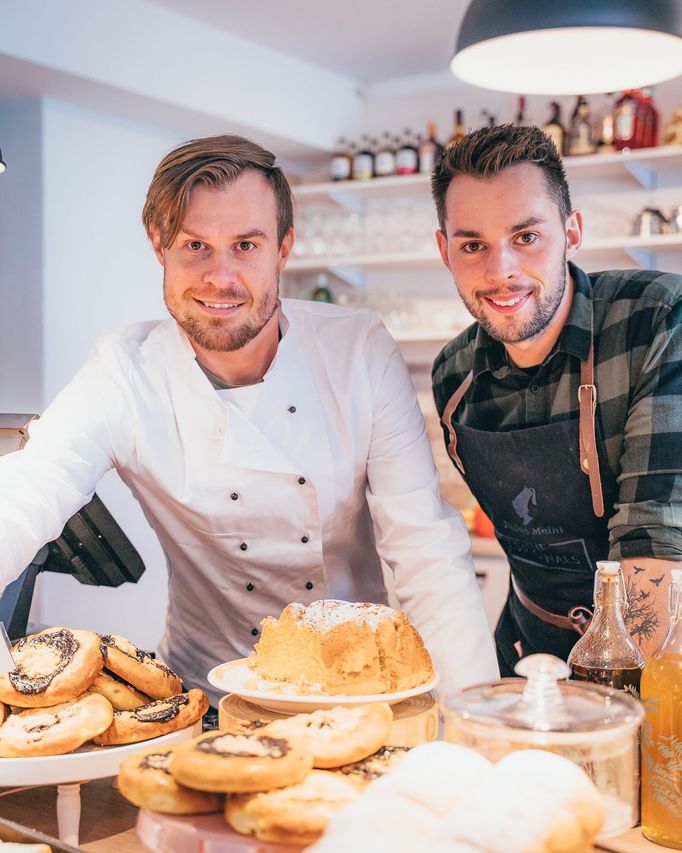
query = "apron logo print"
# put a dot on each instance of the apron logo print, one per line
(522, 502)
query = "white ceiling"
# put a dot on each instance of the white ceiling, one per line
(367, 40)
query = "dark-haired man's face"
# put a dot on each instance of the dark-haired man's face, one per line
(222, 271)
(507, 248)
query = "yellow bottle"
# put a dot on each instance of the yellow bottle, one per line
(661, 693)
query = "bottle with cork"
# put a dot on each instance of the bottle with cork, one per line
(606, 653)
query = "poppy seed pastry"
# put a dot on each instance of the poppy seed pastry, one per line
(140, 669)
(56, 730)
(297, 814)
(52, 666)
(160, 717)
(146, 781)
(341, 648)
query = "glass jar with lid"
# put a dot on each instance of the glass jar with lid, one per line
(593, 726)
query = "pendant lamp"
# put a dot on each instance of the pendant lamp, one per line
(565, 47)
(3, 165)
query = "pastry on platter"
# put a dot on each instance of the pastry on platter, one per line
(341, 648)
(297, 814)
(52, 666)
(140, 669)
(221, 761)
(145, 780)
(384, 760)
(122, 696)
(337, 736)
(55, 730)
(160, 717)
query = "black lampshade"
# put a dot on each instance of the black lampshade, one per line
(579, 46)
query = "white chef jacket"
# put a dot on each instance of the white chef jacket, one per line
(292, 489)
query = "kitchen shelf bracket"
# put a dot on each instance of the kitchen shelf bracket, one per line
(644, 258)
(349, 275)
(349, 201)
(645, 175)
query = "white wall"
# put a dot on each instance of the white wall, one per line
(99, 275)
(21, 257)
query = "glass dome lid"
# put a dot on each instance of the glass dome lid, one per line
(541, 700)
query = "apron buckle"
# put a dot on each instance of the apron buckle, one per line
(580, 618)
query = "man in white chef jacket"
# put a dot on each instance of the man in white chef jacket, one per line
(276, 447)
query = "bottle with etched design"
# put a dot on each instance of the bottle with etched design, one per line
(662, 732)
(606, 653)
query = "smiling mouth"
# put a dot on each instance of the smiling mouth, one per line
(218, 306)
(508, 304)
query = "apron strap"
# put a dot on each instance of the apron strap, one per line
(587, 402)
(577, 619)
(446, 420)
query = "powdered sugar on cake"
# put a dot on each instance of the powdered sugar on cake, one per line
(325, 614)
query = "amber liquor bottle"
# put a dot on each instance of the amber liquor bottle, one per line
(606, 653)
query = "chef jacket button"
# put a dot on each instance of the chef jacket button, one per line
(301, 481)
(305, 539)
(243, 546)
(234, 496)
(291, 409)
(254, 631)
(309, 585)
(534, 389)
(250, 586)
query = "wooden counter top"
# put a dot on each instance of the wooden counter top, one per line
(108, 820)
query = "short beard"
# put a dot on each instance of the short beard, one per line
(531, 328)
(210, 335)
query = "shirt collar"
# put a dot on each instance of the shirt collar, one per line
(576, 335)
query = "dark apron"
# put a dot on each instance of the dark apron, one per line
(532, 484)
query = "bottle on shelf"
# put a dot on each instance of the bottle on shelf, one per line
(520, 114)
(606, 653)
(606, 130)
(363, 161)
(554, 128)
(430, 150)
(406, 155)
(458, 128)
(662, 731)
(624, 116)
(646, 121)
(321, 291)
(384, 159)
(341, 164)
(580, 134)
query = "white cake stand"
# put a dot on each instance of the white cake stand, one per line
(67, 772)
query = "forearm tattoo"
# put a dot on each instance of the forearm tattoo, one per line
(641, 614)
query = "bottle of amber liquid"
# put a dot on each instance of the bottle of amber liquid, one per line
(662, 732)
(606, 653)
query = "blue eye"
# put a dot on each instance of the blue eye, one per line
(246, 245)
(195, 245)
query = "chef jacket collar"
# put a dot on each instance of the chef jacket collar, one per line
(574, 339)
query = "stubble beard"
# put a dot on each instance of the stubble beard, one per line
(507, 333)
(211, 334)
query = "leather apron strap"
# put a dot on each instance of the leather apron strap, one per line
(446, 420)
(587, 402)
(577, 619)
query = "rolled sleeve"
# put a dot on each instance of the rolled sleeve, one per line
(648, 517)
(423, 540)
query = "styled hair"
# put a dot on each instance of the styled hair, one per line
(487, 151)
(213, 161)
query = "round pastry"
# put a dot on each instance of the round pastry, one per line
(145, 780)
(221, 761)
(24, 847)
(341, 648)
(361, 773)
(52, 666)
(339, 735)
(141, 670)
(155, 718)
(56, 730)
(123, 697)
(297, 814)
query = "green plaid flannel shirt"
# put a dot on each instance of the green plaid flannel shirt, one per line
(636, 319)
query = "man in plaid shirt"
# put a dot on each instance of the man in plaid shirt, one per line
(561, 405)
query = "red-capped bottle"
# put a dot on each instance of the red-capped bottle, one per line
(624, 117)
